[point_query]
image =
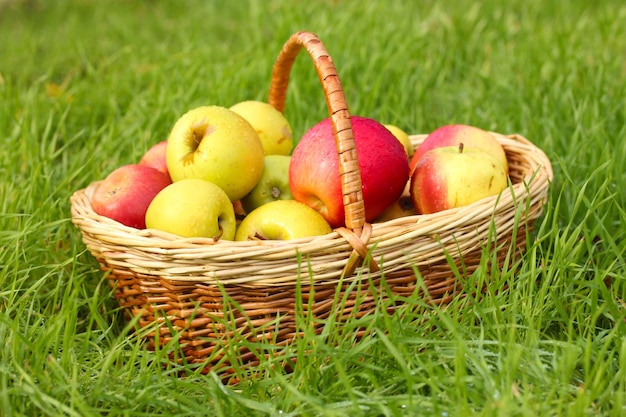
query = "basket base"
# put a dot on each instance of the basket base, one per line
(229, 328)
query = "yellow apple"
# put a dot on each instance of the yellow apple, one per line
(192, 207)
(217, 145)
(455, 176)
(403, 137)
(282, 220)
(271, 125)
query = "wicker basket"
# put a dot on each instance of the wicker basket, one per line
(201, 294)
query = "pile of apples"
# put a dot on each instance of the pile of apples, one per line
(234, 174)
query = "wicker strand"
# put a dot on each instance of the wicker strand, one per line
(359, 253)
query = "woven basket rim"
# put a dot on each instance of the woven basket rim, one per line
(530, 190)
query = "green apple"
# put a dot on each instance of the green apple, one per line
(273, 185)
(217, 145)
(192, 207)
(282, 220)
(455, 176)
(271, 125)
(403, 137)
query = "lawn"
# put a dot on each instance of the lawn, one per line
(88, 85)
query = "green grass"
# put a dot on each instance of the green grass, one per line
(88, 85)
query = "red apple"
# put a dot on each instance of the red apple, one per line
(402, 207)
(125, 194)
(155, 157)
(453, 135)
(314, 169)
(239, 210)
(455, 176)
(403, 137)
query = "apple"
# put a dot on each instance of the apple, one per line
(192, 207)
(271, 125)
(125, 194)
(402, 207)
(282, 220)
(314, 170)
(217, 145)
(239, 210)
(453, 135)
(455, 176)
(273, 185)
(155, 157)
(403, 137)
(240, 213)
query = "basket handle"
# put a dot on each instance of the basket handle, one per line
(337, 110)
(349, 171)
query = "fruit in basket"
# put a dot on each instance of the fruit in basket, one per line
(125, 194)
(282, 220)
(271, 125)
(217, 145)
(192, 207)
(155, 157)
(455, 176)
(314, 170)
(454, 134)
(402, 207)
(403, 137)
(273, 185)
(239, 210)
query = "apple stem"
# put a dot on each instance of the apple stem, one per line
(461, 147)
(216, 238)
(258, 236)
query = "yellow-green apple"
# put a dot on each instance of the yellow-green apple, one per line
(403, 137)
(271, 125)
(314, 170)
(155, 157)
(402, 207)
(192, 207)
(455, 176)
(282, 220)
(470, 136)
(125, 194)
(217, 145)
(273, 185)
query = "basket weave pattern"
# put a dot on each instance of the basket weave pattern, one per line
(190, 285)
